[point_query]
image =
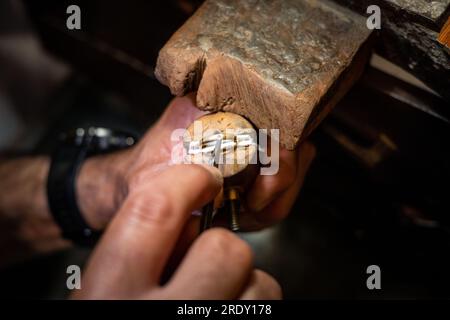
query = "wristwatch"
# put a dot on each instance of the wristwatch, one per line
(73, 148)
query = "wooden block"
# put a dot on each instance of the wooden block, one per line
(428, 13)
(281, 63)
(409, 37)
(444, 36)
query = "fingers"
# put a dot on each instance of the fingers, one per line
(184, 242)
(261, 287)
(137, 244)
(267, 188)
(180, 113)
(156, 148)
(216, 267)
(280, 208)
(281, 190)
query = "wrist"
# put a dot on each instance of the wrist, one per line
(101, 187)
(21, 176)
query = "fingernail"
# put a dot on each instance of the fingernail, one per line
(215, 172)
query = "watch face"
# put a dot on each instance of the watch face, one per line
(98, 139)
(224, 139)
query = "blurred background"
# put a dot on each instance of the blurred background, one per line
(377, 192)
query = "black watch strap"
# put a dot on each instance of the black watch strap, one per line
(62, 197)
(67, 159)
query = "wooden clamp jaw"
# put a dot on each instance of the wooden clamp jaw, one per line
(229, 142)
(282, 64)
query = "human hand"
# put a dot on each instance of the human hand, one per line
(133, 253)
(105, 181)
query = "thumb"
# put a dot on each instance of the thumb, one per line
(136, 246)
